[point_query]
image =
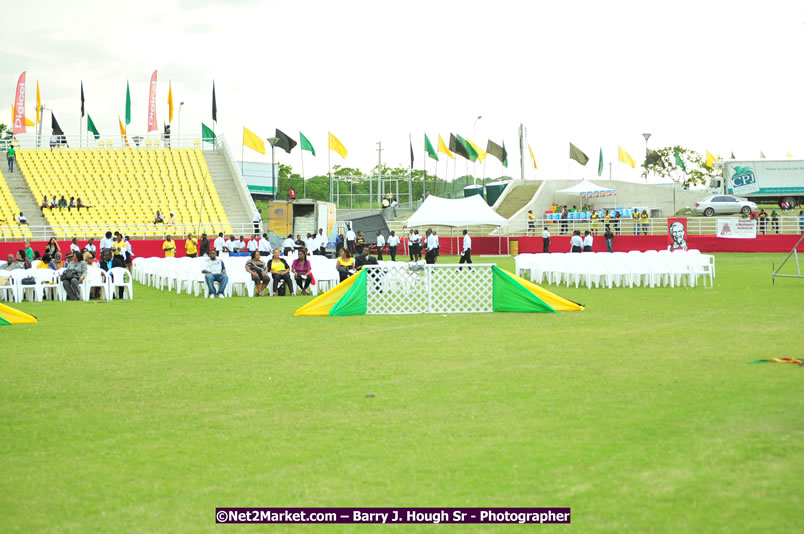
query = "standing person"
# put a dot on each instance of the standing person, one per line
(351, 237)
(322, 242)
(302, 272)
(587, 241)
(204, 248)
(252, 243)
(576, 243)
(129, 252)
(801, 221)
(11, 154)
(169, 247)
(106, 241)
(264, 246)
(437, 244)
(635, 216)
(380, 245)
(564, 220)
(292, 194)
(52, 247)
(763, 220)
(594, 219)
(310, 244)
(393, 244)
(617, 222)
(191, 246)
(257, 221)
(609, 238)
(219, 244)
(775, 220)
(215, 271)
(430, 243)
(545, 240)
(466, 249)
(360, 242)
(228, 245)
(411, 245)
(645, 223)
(256, 268)
(531, 222)
(73, 276)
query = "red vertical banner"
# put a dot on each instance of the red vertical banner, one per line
(152, 126)
(19, 107)
(677, 233)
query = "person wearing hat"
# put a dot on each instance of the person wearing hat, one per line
(171, 219)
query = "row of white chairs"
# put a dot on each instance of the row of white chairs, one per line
(651, 268)
(47, 284)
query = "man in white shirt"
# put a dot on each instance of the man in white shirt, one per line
(252, 243)
(106, 241)
(215, 271)
(264, 246)
(576, 243)
(430, 243)
(228, 245)
(380, 245)
(351, 237)
(322, 242)
(219, 244)
(546, 241)
(310, 243)
(288, 245)
(466, 251)
(91, 247)
(587, 241)
(393, 244)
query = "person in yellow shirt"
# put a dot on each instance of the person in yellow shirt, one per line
(345, 265)
(169, 247)
(645, 223)
(119, 247)
(280, 271)
(595, 219)
(531, 222)
(191, 246)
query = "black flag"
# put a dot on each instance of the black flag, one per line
(411, 151)
(82, 98)
(284, 141)
(214, 104)
(457, 147)
(497, 151)
(578, 155)
(54, 125)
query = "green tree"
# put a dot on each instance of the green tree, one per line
(665, 166)
(5, 132)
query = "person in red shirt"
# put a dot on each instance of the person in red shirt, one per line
(292, 194)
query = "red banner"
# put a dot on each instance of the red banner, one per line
(677, 233)
(19, 107)
(152, 126)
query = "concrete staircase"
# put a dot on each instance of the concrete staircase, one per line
(228, 188)
(25, 200)
(518, 197)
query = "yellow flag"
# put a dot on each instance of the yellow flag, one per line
(27, 120)
(336, 145)
(710, 160)
(481, 154)
(253, 141)
(170, 102)
(625, 158)
(123, 131)
(38, 103)
(789, 155)
(442, 147)
(532, 157)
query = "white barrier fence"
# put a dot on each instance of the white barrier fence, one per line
(649, 269)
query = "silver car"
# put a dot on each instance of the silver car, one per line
(724, 204)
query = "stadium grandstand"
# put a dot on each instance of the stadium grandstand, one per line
(122, 189)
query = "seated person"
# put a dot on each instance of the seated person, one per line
(54, 203)
(288, 245)
(55, 262)
(80, 204)
(62, 203)
(23, 260)
(22, 219)
(44, 205)
(256, 268)
(281, 275)
(73, 276)
(71, 205)
(215, 271)
(158, 219)
(345, 264)
(45, 263)
(5, 270)
(365, 258)
(302, 271)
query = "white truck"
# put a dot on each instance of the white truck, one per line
(767, 180)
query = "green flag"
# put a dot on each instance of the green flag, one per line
(505, 156)
(679, 161)
(600, 163)
(578, 155)
(429, 148)
(761, 154)
(91, 127)
(305, 144)
(470, 150)
(128, 105)
(207, 135)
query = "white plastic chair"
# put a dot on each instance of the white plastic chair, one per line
(120, 277)
(96, 277)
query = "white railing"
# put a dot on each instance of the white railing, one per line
(136, 142)
(135, 231)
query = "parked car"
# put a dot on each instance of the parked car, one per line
(724, 204)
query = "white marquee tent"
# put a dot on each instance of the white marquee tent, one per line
(587, 189)
(437, 211)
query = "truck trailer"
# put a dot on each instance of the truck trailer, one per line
(777, 181)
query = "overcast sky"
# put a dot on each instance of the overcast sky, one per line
(708, 75)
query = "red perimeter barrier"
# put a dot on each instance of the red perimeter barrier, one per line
(493, 245)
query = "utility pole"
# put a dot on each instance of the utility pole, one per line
(379, 174)
(522, 134)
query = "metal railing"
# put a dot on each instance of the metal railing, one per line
(105, 142)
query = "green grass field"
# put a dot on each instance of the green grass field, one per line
(641, 413)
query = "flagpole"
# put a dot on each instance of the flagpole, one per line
(329, 170)
(304, 182)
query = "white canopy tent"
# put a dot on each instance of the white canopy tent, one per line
(470, 211)
(587, 189)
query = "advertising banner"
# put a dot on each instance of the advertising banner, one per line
(152, 126)
(677, 233)
(736, 228)
(19, 107)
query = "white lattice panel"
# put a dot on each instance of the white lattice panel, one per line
(402, 289)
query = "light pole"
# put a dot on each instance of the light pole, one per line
(178, 133)
(474, 136)
(646, 136)
(273, 141)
